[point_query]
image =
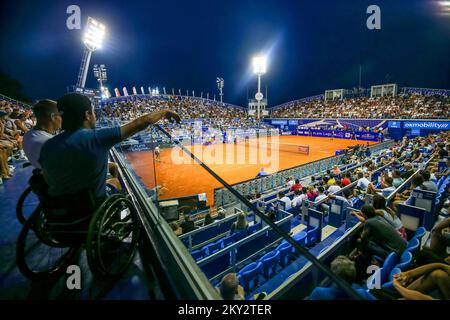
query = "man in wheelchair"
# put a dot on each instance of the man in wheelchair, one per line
(75, 162)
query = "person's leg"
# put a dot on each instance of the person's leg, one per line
(436, 244)
(115, 183)
(113, 169)
(437, 279)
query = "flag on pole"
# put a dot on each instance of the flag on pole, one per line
(173, 91)
(125, 92)
(149, 90)
(142, 90)
(207, 96)
(134, 91)
(179, 92)
(164, 90)
(117, 92)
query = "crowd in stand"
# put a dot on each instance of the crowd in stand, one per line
(210, 113)
(15, 121)
(406, 106)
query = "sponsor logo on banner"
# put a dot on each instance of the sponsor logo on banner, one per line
(427, 125)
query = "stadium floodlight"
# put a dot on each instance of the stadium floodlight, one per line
(259, 65)
(259, 68)
(220, 84)
(94, 34)
(93, 37)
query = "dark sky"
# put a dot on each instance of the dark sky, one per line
(314, 45)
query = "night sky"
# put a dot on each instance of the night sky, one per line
(312, 45)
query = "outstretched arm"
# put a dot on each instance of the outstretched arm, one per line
(144, 121)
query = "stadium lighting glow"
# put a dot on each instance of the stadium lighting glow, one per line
(259, 65)
(94, 34)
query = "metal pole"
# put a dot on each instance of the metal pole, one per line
(86, 68)
(259, 91)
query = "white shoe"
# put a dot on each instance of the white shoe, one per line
(12, 168)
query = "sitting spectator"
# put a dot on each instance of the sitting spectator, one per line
(419, 283)
(396, 178)
(429, 185)
(296, 185)
(346, 180)
(283, 198)
(187, 225)
(240, 225)
(290, 182)
(345, 269)
(335, 170)
(386, 186)
(334, 187)
(409, 171)
(440, 237)
(208, 219)
(312, 193)
(379, 204)
(299, 197)
(321, 194)
(362, 184)
(230, 289)
(48, 123)
(378, 236)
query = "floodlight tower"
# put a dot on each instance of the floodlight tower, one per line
(220, 84)
(101, 76)
(92, 39)
(259, 68)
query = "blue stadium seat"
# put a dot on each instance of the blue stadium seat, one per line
(405, 260)
(249, 276)
(413, 245)
(197, 254)
(285, 249)
(390, 284)
(313, 236)
(212, 248)
(253, 228)
(229, 240)
(388, 266)
(420, 232)
(269, 263)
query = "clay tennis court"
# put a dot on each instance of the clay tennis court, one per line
(189, 178)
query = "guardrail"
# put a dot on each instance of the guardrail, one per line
(20, 103)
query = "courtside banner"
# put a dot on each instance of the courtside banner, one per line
(435, 125)
(339, 134)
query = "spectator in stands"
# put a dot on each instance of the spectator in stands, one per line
(230, 289)
(321, 194)
(379, 204)
(299, 197)
(378, 236)
(335, 170)
(77, 159)
(6, 148)
(312, 194)
(420, 283)
(208, 219)
(362, 184)
(240, 225)
(296, 186)
(346, 180)
(187, 225)
(290, 182)
(334, 187)
(409, 171)
(345, 269)
(47, 125)
(440, 237)
(396, 178)
(429, 185)
(386, 186)
(283, 198)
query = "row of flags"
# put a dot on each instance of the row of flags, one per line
(154, 92)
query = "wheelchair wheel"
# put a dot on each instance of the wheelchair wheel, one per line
(112, 237)
(37, 259)
(26, 205)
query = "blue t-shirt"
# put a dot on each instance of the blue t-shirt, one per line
(78, 160)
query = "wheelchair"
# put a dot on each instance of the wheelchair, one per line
(54, 234)
(29, 199)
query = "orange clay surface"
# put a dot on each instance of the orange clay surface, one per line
(189, 178)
